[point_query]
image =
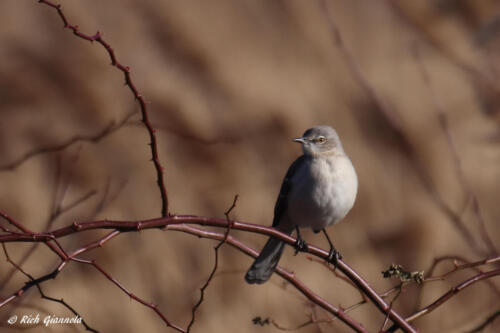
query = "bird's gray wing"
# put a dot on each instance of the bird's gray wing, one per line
(286, 186)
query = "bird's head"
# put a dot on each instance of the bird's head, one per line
(320, 140)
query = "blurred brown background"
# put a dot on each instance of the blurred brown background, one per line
(229, 84)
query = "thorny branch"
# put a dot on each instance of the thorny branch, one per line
(43, 295)
(169, 222)
(290, 277)
(174, 222)
(138, 96)
(406, 279)
(453, 291)
(214, 269)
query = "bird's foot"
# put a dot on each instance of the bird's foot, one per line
(334, 256)
(300, 246)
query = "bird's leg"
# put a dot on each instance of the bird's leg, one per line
(333, 256)
(300, 244)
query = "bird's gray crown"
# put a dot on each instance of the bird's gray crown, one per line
(320, 139)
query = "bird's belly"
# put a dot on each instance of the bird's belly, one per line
(320, 202)
(315, 214)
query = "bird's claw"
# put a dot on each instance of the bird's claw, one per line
(334, 256)
(300, 246)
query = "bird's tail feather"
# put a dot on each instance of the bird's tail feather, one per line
(263, 267)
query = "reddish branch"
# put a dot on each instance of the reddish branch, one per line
(124, 226)
(453, 291)
(289, 276)
(42, 294)
(180, 223)
(214, 269)
(62, 183)
(461, 266)
(72, 257)
(138, 96)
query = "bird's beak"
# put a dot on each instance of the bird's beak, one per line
(300, 140)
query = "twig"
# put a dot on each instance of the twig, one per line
(43, 295)
(465, 265)
(214, 269)
(150, 305)
(12, 221)
(93, 138)
(453, 291)
(72, 256)
(399, 288)
(205, 285)
(57, 210)
(138, 96)
(290, 277)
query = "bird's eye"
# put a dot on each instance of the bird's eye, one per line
(321, 139)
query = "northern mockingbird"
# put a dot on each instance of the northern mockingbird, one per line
(319, 189)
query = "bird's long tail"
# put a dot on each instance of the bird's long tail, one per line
(263, 267)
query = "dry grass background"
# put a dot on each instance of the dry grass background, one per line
(230, 83)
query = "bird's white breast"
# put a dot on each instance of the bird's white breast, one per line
(323, 192)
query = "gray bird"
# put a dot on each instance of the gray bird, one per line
(319, 189)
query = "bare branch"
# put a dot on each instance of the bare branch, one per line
(445, 297)
(214, 269)
(290, 277)
(443, 122)
(93, 138)
(138, 96)
(43, 295)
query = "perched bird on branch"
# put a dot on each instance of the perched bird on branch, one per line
(319, 189)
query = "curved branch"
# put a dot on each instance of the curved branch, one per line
(289, 276)
(453, 291)
(138, 96)
(168, 222)
(429, 308)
